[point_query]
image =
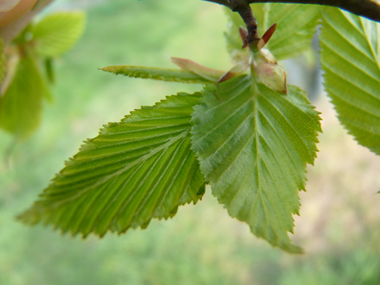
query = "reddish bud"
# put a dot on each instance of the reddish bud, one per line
(243, 34)
(266, 37)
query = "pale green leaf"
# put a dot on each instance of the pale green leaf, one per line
(253, 144)
(350, 57)
(296, 25)
(57, 33)
(21, 103)
(156, 73)
(133, 171)
(49, 69)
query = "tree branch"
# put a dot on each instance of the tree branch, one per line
(365, 8)
(250, 21)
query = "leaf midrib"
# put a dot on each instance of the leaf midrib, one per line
(157, 182)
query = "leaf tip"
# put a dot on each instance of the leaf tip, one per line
(110, 68)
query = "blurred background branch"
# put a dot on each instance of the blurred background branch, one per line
(9, 32)
(365, 8)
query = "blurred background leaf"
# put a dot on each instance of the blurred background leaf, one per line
(25, 84)
(55, 34)
(2, 61)
(21, 104)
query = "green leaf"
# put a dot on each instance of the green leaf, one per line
(21, 103)
(133, 171)
(49, 69)
(296, 25)
(49, 78)
(57, 33)
(253, 144)
(350, 57)
(164, 74)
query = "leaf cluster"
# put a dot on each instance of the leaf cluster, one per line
(27, 70)
(250, 142)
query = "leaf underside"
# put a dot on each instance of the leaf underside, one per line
(253, 145)
(296, 25)
(350, 57)
(156, 73)
(133, 171)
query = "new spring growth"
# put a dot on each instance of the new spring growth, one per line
(264, 63)
(261, 60)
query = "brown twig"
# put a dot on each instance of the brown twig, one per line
(365, 8)
(249, 19)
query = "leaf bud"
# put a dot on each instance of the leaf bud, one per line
(267, 70)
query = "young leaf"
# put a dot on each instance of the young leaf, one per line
(350, 57)
(156, 73)
(133, 171)
(210, 74)
(21, 103)
(295, 28)
(57, 33)
(253, 144)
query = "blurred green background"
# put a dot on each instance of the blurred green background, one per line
(340, 215)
